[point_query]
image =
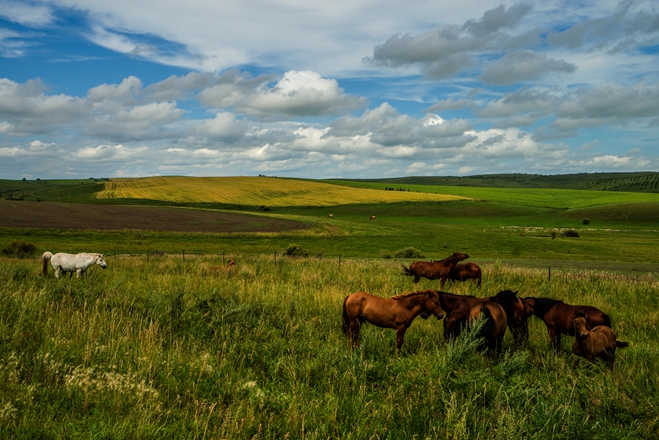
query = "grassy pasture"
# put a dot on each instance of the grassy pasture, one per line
(167, 348)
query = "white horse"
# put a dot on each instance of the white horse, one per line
(78, 263)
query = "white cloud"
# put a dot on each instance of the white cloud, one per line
(523, 66)
(25, 13)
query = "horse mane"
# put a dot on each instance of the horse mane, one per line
(407, 295)
(542, 305)
(506, 299)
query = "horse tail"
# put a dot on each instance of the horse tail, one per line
(346, 318)
(607, 320)
(45, 259)
(488, 324)
(406, 271)
(621, 344)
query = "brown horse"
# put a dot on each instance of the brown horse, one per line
(396, 312)
(454, 304)
(434, 270)
(600, 342)
(494, 327)
(559, 317)
(466, 271)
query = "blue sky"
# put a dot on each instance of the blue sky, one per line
(350, 88)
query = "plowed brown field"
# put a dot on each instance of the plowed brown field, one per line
(50, 215)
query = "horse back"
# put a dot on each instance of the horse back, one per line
(563, 317)
(497, 312)
(428, 269)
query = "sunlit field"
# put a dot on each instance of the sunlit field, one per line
(173, 347)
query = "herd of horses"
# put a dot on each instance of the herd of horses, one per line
(590, 327)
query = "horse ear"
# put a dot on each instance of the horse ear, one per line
(580, 313)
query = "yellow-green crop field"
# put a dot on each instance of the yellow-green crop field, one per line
(256, 191)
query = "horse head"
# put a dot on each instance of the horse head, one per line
(100, 260)
(580, 324)
(432, 306)
(460, 256)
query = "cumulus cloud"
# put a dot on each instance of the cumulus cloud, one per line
(296, 93)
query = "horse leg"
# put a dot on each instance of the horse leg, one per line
(78, 273)
(554, 340)
(416, 279)
(400, 334)
(58, 269)
(355, 326)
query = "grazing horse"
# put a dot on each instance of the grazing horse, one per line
(396, 312)
(78, 263)
(559, 317)
(434, 270)
(466, 271)
(494, 327)
(372, 217)
(330, 215)
(600, 342)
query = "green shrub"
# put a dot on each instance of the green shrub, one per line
(295, 250)
(570, 233)
(409, 252)
(585, 221)
(19, 249)
(385, 254)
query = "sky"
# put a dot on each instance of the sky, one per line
(342, 89)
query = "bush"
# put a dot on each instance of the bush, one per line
(296, 251)
(19, 249)
(385, 254)
(570, 233)
(409, 252)
(585, 221)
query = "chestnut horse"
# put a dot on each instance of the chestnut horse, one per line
(559, 317)
(457, 307)
(494, 327)
(600, 342)
(466, 271)
(434, 270)
(396, 312)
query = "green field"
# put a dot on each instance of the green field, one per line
(161, 346)
(166, 348)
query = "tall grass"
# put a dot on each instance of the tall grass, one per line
(173, 348)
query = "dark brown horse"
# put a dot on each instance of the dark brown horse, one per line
(454, 304)
(396, 312)
(466, 271)
(494, 327)
(600, 342)
(434, 270)
(559, 317)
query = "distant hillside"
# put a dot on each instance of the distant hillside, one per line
(255, 191)
(630, 182)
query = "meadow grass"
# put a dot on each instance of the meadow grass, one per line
(169, 348)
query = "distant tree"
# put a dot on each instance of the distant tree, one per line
(585, 221)
(570, 233)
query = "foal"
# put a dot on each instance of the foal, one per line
(600, 342)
